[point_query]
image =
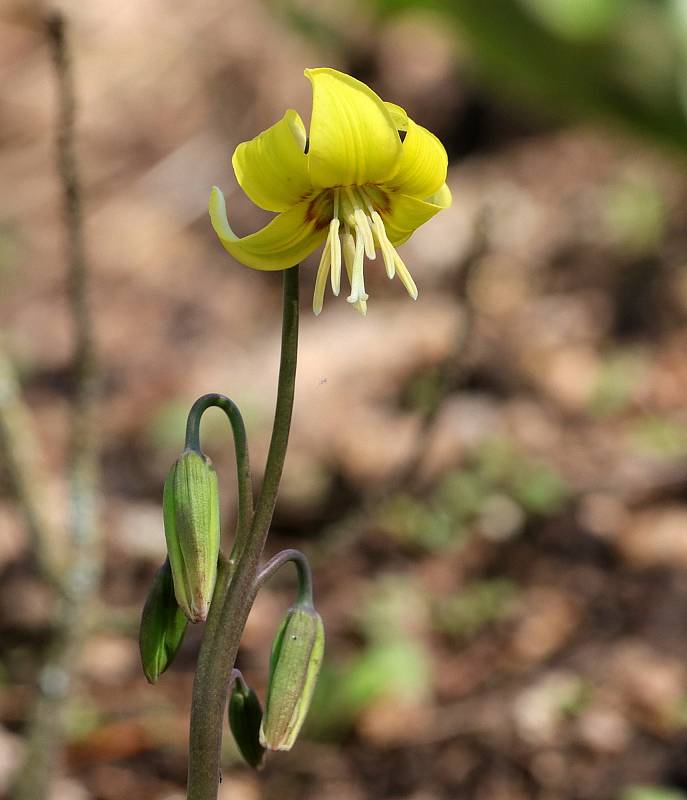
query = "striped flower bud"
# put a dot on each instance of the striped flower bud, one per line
(294, 666)
(191, 514)
(163, 625)
(245, 716)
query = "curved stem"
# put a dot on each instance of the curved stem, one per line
(233, 598)
(304, 573)
(236, 676)
(245, 485)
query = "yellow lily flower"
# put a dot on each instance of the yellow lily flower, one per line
(365, 179)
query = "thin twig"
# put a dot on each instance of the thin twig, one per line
(84, 566)
(22, 460)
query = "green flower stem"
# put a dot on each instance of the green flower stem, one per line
(234, 594)
(302, 566)
(245, 485)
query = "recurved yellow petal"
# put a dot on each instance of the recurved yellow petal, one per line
(281, 244)
(408, 213)
(353, 140)
(272, 169)
(423, 163)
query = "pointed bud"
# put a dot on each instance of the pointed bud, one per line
(245, 716)
(191, 513)
(163, 625)
(294, 666)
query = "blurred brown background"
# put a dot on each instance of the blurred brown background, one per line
(491, 483)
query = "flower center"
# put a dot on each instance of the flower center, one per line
(355, 228)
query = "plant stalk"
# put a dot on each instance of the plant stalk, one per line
(234, 593)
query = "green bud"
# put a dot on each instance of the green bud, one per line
(245, 716)
(191, 513)
(163, 625)
(294, 666)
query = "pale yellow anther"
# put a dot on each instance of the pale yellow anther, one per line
(334, 246)
(384, 244)
(321, 279)
(405, 276)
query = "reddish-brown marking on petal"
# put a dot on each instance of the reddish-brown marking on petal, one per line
(320, 210)
(380, 199)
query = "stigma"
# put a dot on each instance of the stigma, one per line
(356, 231)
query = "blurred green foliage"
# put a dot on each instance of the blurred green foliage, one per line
(425, 391)
(396, 670)
(651, 793)
(393, 664)
(676, 714)
(635, 214)
(620, 374)
(82, 717)
(656, 435)
(624, 61)
(493, 494)
(577, 20)
(474, 606)
(576, 698)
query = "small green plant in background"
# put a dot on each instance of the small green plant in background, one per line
(653, 434)
(392, 664)
(635, 214)
(651, 793)
(465, 613)
(618, 61)
(492, 495)
(620, 375)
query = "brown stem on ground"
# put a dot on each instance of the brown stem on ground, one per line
(83, 567)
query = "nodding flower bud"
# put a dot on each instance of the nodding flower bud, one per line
(163, 625)
(294, 666)
(191, 514)
(245, 716)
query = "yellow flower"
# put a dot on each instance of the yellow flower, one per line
(364, 180)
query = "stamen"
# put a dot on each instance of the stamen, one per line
(362, 223)
(379, 232)
(321, 279)
(357, 277)
(335, 253)
(405, 276)
(384, 244)
(335, 244)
